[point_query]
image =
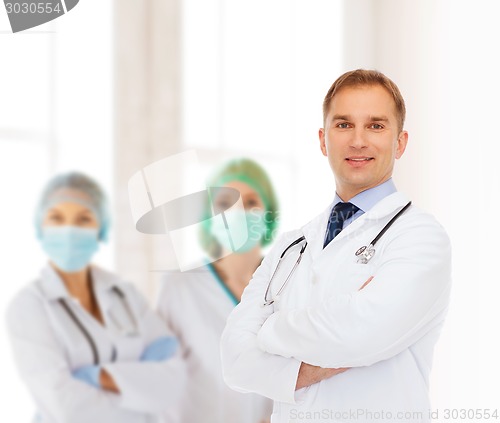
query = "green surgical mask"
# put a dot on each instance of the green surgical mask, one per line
(245, 230)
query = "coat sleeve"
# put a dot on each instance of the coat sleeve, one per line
(407, 298)
(151, 387)
(246, 368)
(44, 369)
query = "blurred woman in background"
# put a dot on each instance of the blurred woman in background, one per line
(86, 344)
(196, 304)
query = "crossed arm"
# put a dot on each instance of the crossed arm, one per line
(309, 374)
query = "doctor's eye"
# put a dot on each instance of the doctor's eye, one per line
(54, 219)
(343, 125)
(84, 220)
(252, 201)
(221, 204)
(376, 126)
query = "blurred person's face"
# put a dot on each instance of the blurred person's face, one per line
(251, 199)
(70, 214)
(361, 138)
(247, 226)
(70, 236)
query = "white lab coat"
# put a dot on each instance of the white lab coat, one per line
(48, 346)
(386, 332)
(195, 306)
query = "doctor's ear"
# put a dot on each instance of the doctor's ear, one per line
(322, 141)
(402, 143)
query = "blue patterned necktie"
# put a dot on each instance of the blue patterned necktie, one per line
(340, 213)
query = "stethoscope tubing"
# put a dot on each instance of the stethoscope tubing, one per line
(86, 333)
(389, 224)
(302, 238)
(83, 330)
(297, 241)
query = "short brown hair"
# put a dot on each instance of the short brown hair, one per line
(363, 77)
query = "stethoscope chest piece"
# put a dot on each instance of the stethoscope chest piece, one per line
(365, 254)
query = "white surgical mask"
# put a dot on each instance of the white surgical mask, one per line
(70, 247)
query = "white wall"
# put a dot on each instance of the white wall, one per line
(472, 163)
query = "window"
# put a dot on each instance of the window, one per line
(254, 77)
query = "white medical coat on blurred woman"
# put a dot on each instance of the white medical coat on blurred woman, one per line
(49, 345)
(196, 304)
(198, 321)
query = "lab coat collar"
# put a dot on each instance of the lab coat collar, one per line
(314, 231)
(52, 286)
(102, 279)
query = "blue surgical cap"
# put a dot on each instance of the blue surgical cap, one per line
(74, 187)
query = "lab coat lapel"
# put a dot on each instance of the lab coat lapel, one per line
(119, 314)
(103, 283)
(314, 231)
(112, 306)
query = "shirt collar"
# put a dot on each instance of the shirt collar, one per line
(365, 200)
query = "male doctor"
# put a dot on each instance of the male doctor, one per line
(348, 338)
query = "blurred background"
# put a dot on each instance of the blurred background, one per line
(114, 86)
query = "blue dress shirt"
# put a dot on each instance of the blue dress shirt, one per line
(365, 200)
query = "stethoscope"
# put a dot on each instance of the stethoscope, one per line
(364, 255)
(85, 332)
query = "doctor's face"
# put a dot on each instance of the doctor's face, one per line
(361, 138)
(251, 199)
(70, 214)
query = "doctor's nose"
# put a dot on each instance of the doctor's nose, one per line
(358, 139)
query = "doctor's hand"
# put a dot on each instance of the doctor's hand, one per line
(89, 375)
(309, 375)
(366, 283)
(97, 377)
(160, 349)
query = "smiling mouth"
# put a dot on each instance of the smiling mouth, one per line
(359, 159)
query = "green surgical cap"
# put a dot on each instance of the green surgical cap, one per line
(251, 173)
